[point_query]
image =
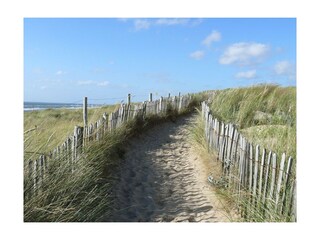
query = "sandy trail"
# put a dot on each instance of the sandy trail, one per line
(163, 180)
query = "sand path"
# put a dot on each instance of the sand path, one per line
(163, 180)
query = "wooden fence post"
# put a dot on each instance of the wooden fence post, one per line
(270, 203)
(35, 175)
(266, 180)
(294, 203)
(255, 176)
(129, 99)
(250, 166)
(261, 173)
(285, 185)
(161, 105)
(85, 111)
(78, 141)
(279, 183)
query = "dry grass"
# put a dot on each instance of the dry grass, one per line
(46, 129)
(265, 114)
(84, 195)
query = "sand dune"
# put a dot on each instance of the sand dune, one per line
(163, 180)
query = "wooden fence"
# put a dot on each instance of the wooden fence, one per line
(74, 146)
(264, 184)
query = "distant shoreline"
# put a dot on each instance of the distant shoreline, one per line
(39, 106)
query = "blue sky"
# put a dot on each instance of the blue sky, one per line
(107, 58)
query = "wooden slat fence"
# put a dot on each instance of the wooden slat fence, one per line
(72, 148)
(264, 183)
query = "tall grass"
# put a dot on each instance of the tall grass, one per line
(265, 114)
(46, 129)
(85, 194)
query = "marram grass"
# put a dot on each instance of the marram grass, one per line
(83, 195)
(46, 129)
(265, 114)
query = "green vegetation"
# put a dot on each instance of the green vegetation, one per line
(85, 194)
(46, 129)
(265, 114)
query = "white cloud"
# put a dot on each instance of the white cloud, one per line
(197, 55)
(172, 21)
(244, 53)
(86, 82)
(215, 36)
(103, 84)
(141, 24)
(248, 74)
(60, 72)
(284, 68)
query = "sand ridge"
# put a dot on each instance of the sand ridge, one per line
(163, 180)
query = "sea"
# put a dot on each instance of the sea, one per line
(35, 106)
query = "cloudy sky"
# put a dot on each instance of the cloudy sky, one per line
(105, 59)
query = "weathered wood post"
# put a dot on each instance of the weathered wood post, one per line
(35, 175)
(279, 183)
(85, 111)
(78, 140)
(129, 99)
(161, 104)
(128, 108)
(150, 97)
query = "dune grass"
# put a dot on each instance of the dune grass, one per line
(86, 194)
(265, 114)
(46, 129)
(83, 195)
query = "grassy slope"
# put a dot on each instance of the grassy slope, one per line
(266, 115)
(53, 126)
(276, 129)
